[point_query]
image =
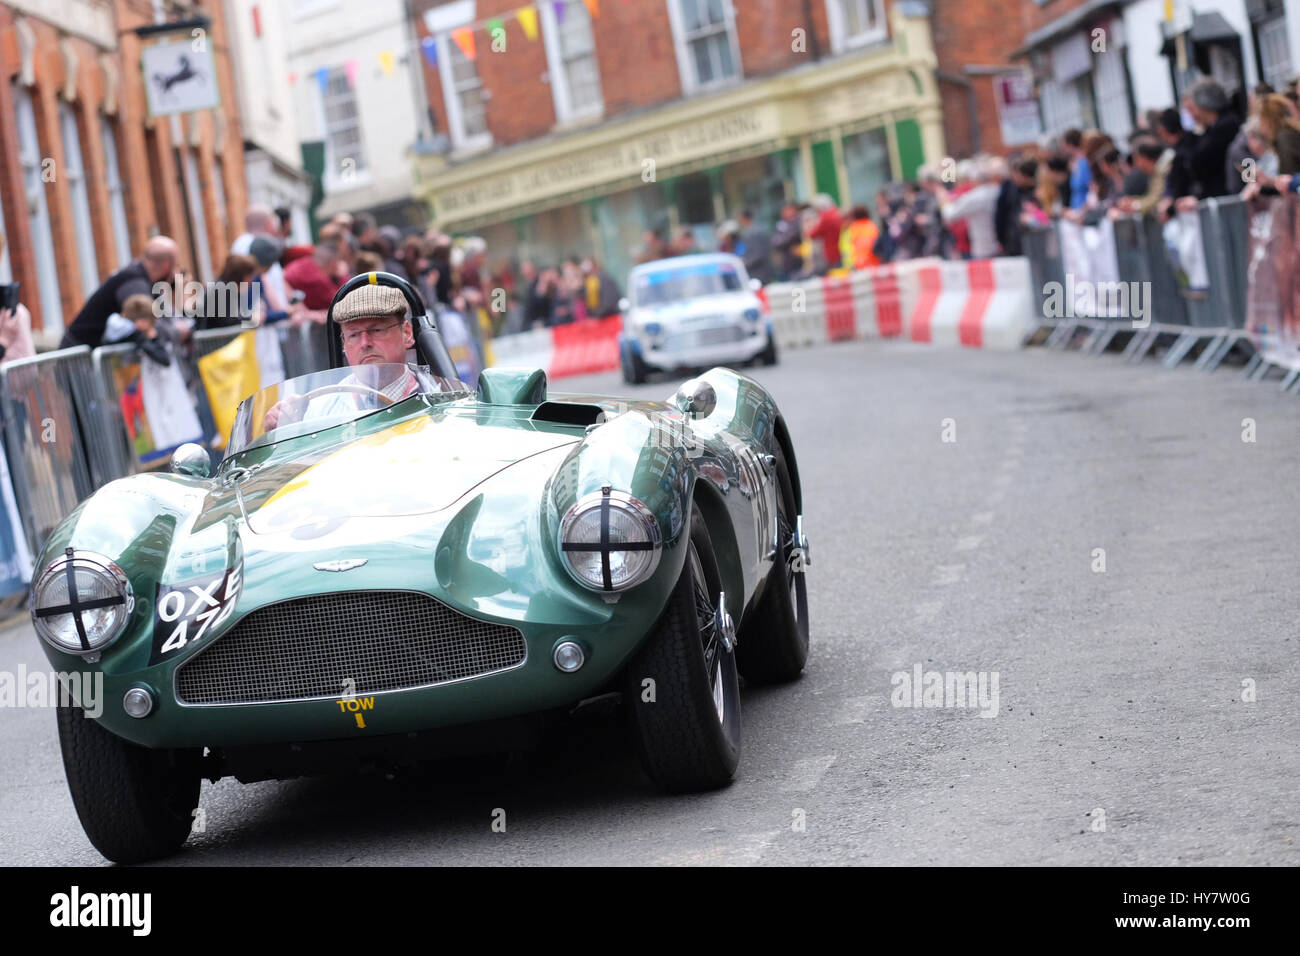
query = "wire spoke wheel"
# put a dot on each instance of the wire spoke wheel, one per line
(688, 729)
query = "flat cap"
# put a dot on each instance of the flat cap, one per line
(371, 302)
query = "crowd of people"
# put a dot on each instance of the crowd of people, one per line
(978, 208)
(974, 208)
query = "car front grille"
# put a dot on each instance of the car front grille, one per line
(714, 336)
(379, 640)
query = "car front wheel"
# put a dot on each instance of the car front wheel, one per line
(135, 804)
(682, 687)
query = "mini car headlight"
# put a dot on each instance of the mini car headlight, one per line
(753, 315)
(653, 329)
(609, 541)
(81, 603)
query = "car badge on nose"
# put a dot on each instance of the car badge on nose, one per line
(344, 564)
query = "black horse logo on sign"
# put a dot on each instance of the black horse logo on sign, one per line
(185, 72)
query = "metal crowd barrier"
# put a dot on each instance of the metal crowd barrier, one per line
(1214, 317)
(54, 438)
(62, 418)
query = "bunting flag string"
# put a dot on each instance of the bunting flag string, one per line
(464, 39)
(527, 18)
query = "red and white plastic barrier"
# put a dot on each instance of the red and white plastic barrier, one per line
(577, 348)
(981, 303)
(978, 303)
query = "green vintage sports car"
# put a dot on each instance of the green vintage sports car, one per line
(393, 572)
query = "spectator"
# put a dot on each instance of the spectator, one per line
(1209, 106)
(157, 262)
(785, 242)
(861, 236)
(1054, 184)
(929, 180)
(729, 237)
(1010, 202)
(15, 328)
(386, 241)
(601, 291)
(1080, 172)
(1179, 179)
(284, 216)
(317, 275)
(137, 324)
(652, 246)
(439, 279)
(978, 206)
(1278, 126)
(235, 274)
(826, 230)
(758, 247)
(537, 296)
(1150, 160)
(684, 244)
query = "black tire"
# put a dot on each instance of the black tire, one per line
(768, 355)
(684, 745)
(774, 647)
(634, 369)
(135, 804)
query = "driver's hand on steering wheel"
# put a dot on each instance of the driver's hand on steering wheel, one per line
(283, 412)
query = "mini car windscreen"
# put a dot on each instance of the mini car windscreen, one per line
(321, 400)
(662, 286)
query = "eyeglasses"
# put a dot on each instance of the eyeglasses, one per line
(351, 338)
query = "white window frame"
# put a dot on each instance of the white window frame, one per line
(6, 270)
(686, 62)
(331, 179)
(302, 9)
(74, 171)
(841, 42)
(1272, 37)
(552, 35)
(43, 257)
(116, 192)
(194, 196)
(462, 142)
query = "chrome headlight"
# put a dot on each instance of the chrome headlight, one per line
(609, 541)
(81, 603)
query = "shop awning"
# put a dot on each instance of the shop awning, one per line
(1206, 28)
(1074, 20)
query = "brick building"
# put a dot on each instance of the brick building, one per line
(603, 118)
(85, 175)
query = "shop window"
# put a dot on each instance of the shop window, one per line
(854, 23)
(705, 34)
(1110, 82)
(345, 155)
(695, 199)
(463, 93)
(74, 173)
(571, 59)
(43, 257)
(1274, 53)
(116, 199)
(1067, 105)
(866, 163)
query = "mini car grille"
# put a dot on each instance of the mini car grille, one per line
(714, 336)
(381, 640)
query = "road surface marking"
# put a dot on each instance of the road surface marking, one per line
(968, 543)
(949, 573)
(807, 773)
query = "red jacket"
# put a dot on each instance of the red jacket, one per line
(827, 229)
(310, 279)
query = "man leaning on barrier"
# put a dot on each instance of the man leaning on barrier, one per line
(375, 326)
(156, 263)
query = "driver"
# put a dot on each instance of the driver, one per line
(375, 326)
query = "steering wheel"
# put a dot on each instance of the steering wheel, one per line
(344, 387)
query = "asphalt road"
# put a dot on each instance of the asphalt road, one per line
(1119, 691)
